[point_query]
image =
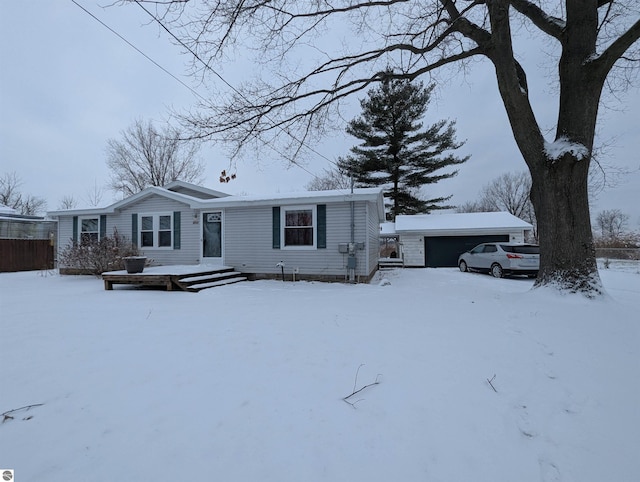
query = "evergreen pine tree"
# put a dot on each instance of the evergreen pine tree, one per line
(396, 152)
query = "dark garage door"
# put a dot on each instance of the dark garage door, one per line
(443, 251)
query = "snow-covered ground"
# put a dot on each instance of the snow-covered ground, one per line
(246, 382)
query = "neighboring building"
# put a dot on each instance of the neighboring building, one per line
(329, 235)
(436, 240)
(14, 225)
(26, 242)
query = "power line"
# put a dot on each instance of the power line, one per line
(228, 84)
(194, 92)
(138, 50)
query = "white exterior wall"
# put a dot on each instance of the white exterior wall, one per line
(189, 252)
(413, 249)
(248, 242)
(248, 237)
(373, 248)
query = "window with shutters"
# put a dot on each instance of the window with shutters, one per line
(89, 229)
(155, 230)
(299, 226)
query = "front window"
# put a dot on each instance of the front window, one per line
(89, 230)
(156, 230)
(299, 227)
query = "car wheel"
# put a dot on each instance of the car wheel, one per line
(463, 266)
(496, 270)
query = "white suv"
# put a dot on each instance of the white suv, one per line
(502, 259)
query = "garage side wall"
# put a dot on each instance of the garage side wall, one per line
(413, 249)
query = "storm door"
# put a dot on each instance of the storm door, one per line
(212, 237)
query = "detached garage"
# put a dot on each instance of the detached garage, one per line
(436, 240)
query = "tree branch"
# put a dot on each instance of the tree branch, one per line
(616, 50)
(553, 26)
(355, 383)
(5, 416)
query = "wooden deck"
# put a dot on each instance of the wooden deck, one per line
(176, 278)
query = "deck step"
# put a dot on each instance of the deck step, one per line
(390, 263)
(212, 284)
(190, 280)
(218, 277)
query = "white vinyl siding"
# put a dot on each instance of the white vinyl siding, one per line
(248, 241)
(190, 230)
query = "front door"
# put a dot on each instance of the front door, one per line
(212, 237)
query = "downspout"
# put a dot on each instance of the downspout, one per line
(352, 244)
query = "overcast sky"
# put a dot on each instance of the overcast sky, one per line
(68, 84)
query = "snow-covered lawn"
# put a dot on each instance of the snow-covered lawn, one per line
(246, 382)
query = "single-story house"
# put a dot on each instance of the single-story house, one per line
(327, 235)
(436, 240)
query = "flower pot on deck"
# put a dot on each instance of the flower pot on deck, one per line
(134, 264)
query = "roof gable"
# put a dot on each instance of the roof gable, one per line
(194, 190)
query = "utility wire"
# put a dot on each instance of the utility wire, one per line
(193, 91)
(208, 67)
(138, 50)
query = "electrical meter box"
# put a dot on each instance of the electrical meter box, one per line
(351, 262)
(343, 248)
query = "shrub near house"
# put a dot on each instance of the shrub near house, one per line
(95, 256)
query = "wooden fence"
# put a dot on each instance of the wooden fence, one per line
(618, 253)
(25, 254)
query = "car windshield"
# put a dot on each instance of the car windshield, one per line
(521, 249)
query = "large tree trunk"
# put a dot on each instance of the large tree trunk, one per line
(559, 172)
(560, 198)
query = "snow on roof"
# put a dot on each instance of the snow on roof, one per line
(459, 221)
(387, 228)
(298, 197)
(7, 210)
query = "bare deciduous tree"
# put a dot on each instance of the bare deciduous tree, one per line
(145, 156)
(474, 207)
(94, 196)
(416, 38)
(329, 180)
(612, 223)
(509, 192)
(11, 196)
(68, 202)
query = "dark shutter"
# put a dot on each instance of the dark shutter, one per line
(75, 230)
(321, 211)
(103, 226)
(176, 230)
(276, 227)
(134, 229)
